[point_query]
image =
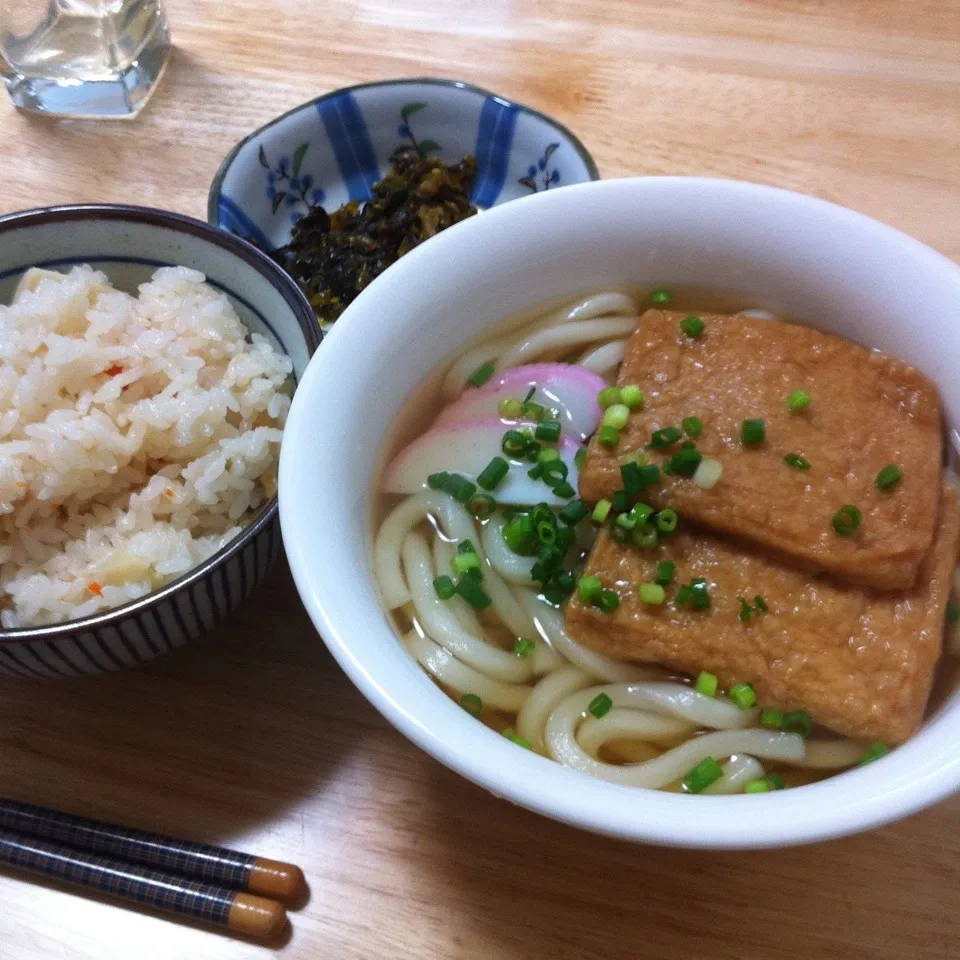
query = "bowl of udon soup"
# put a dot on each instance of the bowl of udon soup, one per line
(146, 370)
(642, 513)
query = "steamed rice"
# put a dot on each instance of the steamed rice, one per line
(137, 436)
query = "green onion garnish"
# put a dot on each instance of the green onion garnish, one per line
(608, 396)
(776, 781)
(753, 432)
(554, 471)
(760, 604)
(482, 505)
(547, 533)
(683, 595)
(546, 454)
(692, 426)
(706, 684)
(515, 737)
(530, 394)
(472, 592)
(601, 511)
(798, 400)
(532, 411)
(692, 326)
(953, 612)
(534, 450)
(626, 520)
(444, 586)
(667, 520)
(661, 296)
(685, 461)
(535, 472)
(589, 589)
(746, 611)
(510, 408)
(579, 457)
(846, 520)
(437, 481)
(608, 436)
(491, 475)
(520, 535)
(701, 599)
(757, 786)
(797, 721)
(796, 461)
(524, 648)
(630, 473)
(621, 502)
(645, 537)
(548, 431)
(616, 416)
(573, 513)
(665, 437)
(665, 571)
(888, 477)
(651, 594)
(772, 718)
(707, 771)
(640, 512)
(514, 443)
(564, 490)
(472, 704)
(743, 695)
(600, 705)
(874, 752)
(632, 396)
(465, 562)
(608, 601)
(481, 375)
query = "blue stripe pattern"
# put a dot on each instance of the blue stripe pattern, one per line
(232, 218)
(350, 139)
(498, 120)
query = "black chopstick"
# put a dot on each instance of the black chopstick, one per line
(232, 910)
(220, 866)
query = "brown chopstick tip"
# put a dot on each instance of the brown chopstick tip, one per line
(280, 881)
(256, 917)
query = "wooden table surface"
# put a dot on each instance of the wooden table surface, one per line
(253, 737)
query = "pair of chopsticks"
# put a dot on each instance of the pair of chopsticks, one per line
(237, 892)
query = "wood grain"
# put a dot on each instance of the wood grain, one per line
(252, 737)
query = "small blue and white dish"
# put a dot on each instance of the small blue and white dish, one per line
(129, 243)
(333, 149)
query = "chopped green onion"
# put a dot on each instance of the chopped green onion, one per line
(645, 537)
(874, 752)
(459, 488)
(532, 411)
(580, 457)
(640, 512)
(514, 737)
(632, 396)
(546, 454)
(514, 443)
(520, 535)
(601, 511)
(534, 450)
(600, 705)
(472, 592)
(665, 571)
(661, 296)
(953, 612)
(437, 481)
(753, 432)
(776, 781)
(524, 648)
(530, 394)
(626, 520)
(706, 684)
(481, 375)
(548, 431)
(651, 594)
(666, 437)
(608, 436)
(573, 513)
(743, 695)
(846, 520)
(667, 520)
(621, 502)
(564, 490)
(746, 611)
(692, 426)
(472, 704)
(464, 562)
(797, 721)
(760, 603)
(757, 786)
(701, 599)
(692, 326)
(798, 400)
(888, 477)
(708, 473)
(566, 536)
(547, 533)
(444, 586)
(616, 416)
(608, 601)
(772, 718)
(707, 771)
(796, 461)
(491, 475)
(554, 469)
(608, 396)
(684, 594)
(510, 408)
(482, 505)
(685, 461)
(535, 472)
(630, 472)
(466, 546)
(589, 589)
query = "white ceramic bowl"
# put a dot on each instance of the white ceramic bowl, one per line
(814, 260)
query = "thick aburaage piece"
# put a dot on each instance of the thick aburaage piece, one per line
(857, 661)
(867, 411)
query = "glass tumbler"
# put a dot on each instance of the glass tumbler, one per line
(82, 58)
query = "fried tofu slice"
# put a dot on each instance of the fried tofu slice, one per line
(868, 411)
(858, 661)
